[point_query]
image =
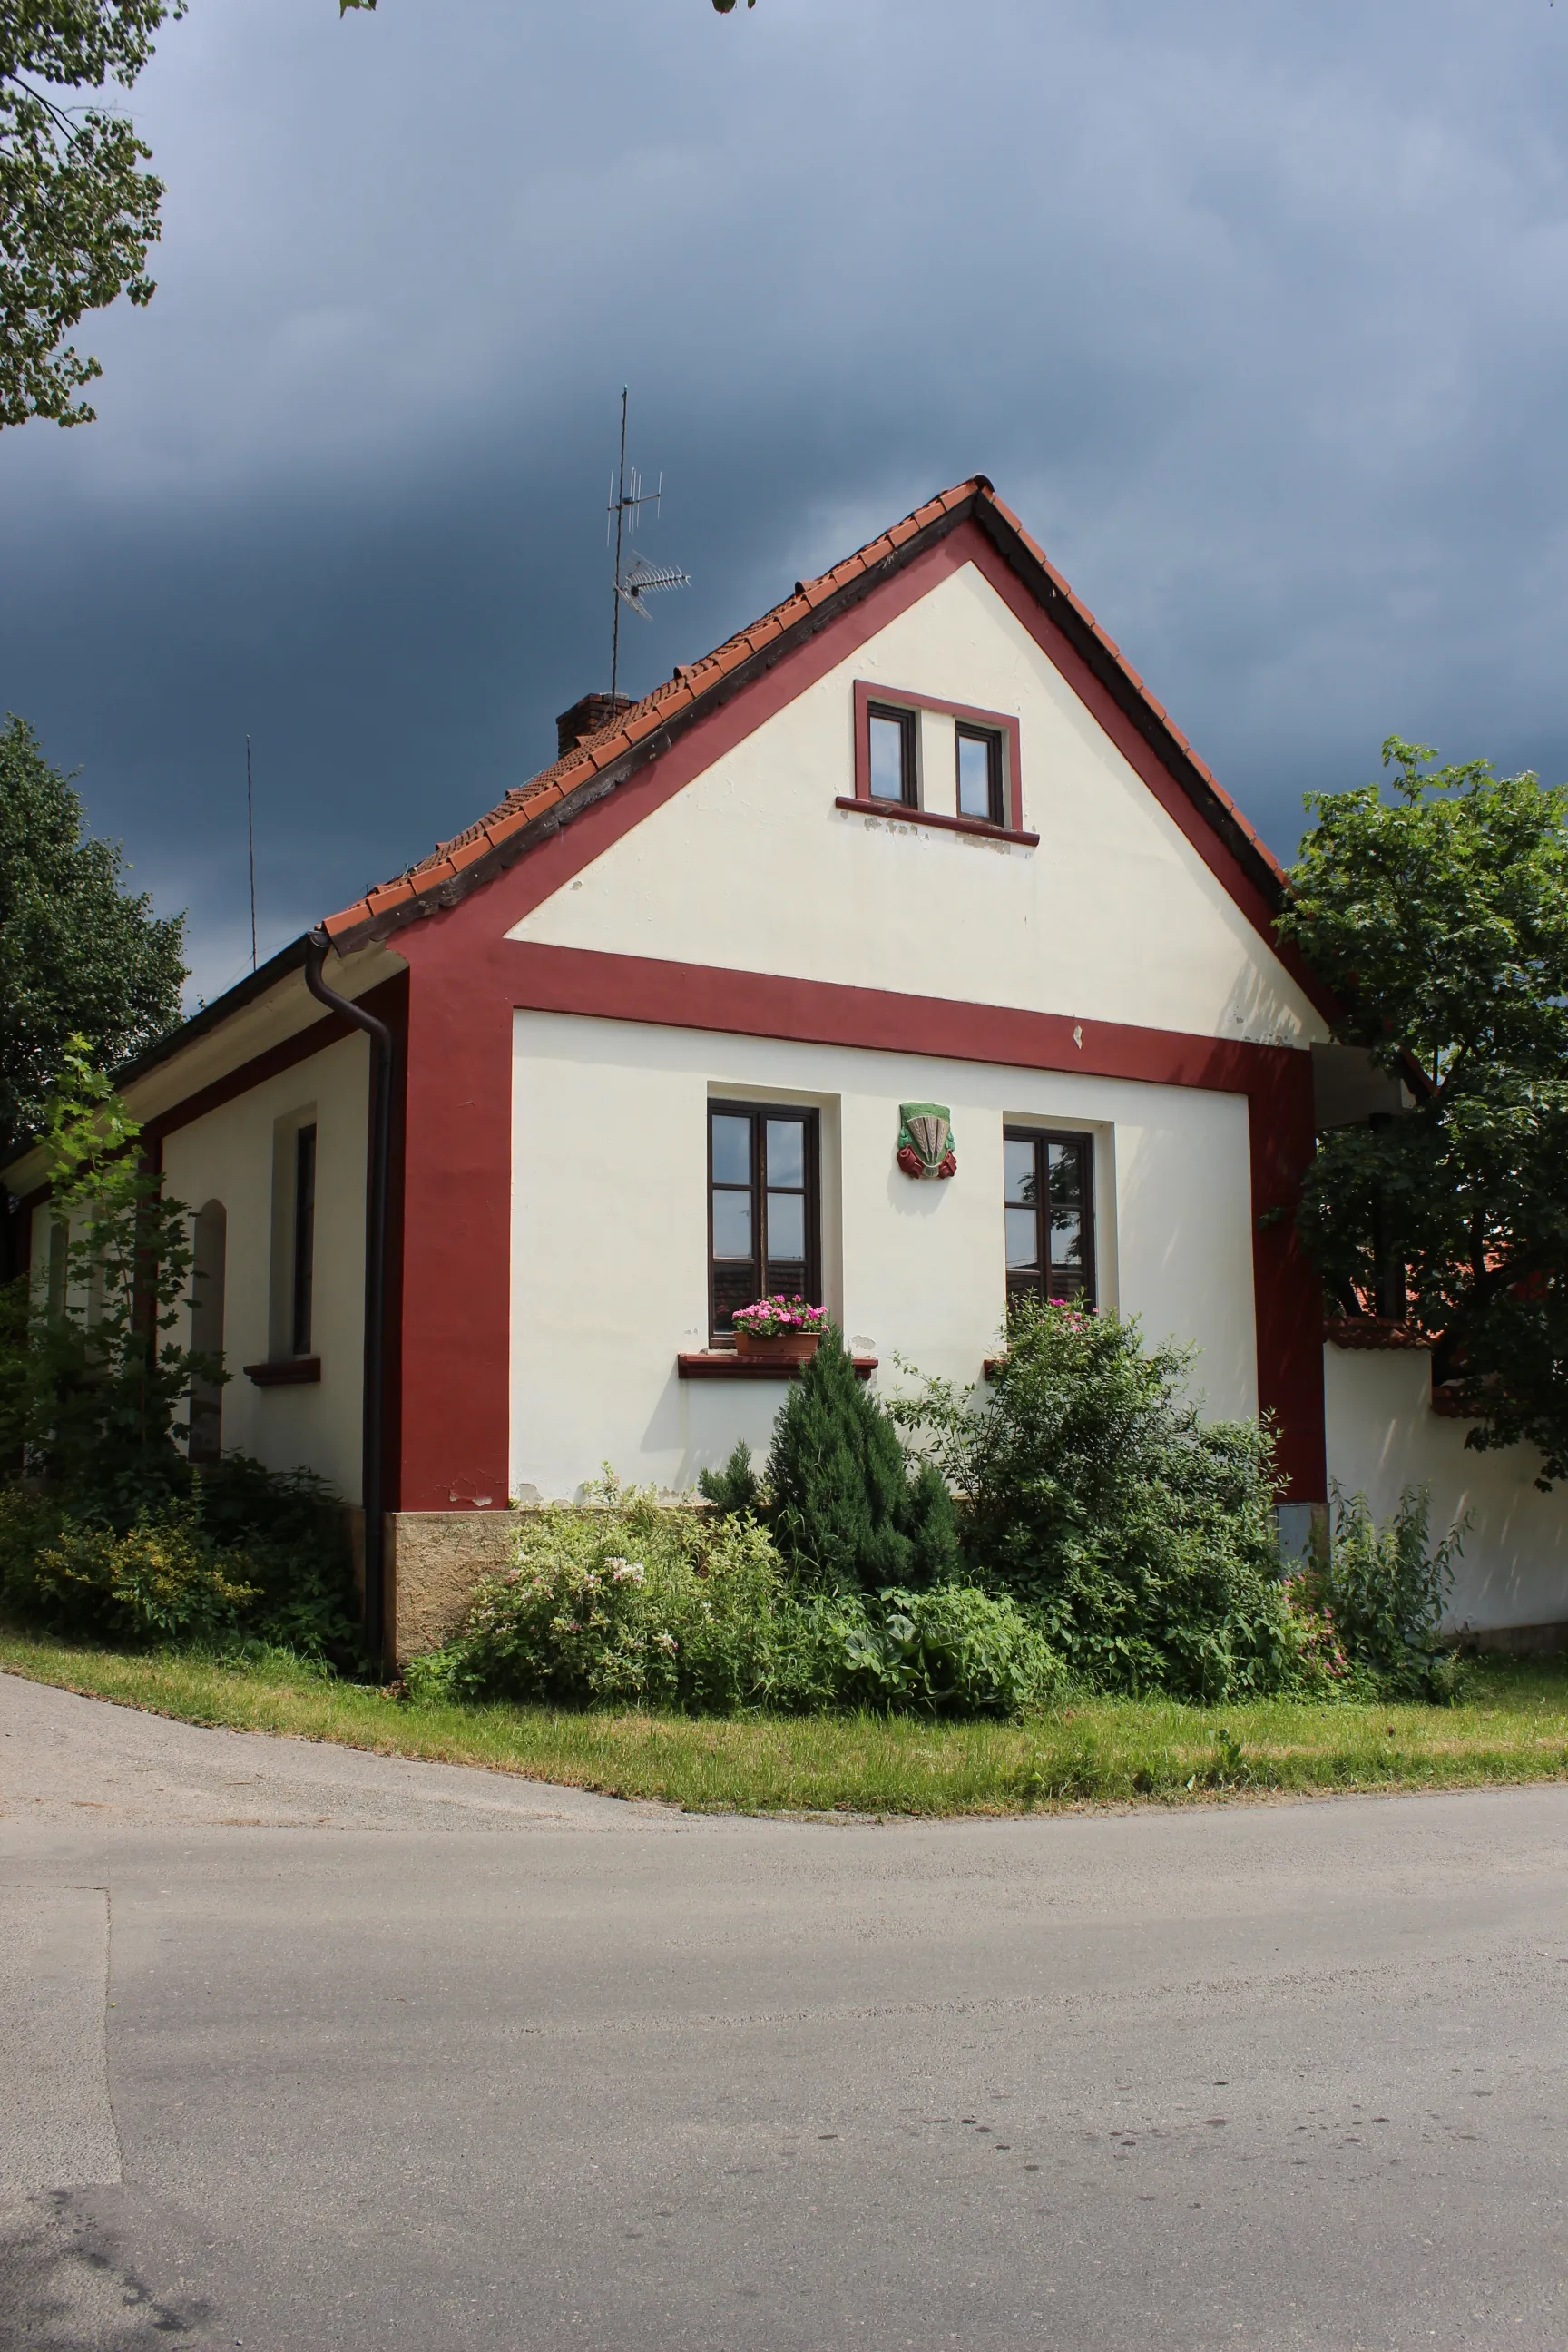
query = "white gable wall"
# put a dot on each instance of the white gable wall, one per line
(1114, 917)
(609, 1276)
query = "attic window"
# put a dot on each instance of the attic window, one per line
(924, 764)
(980, 774)
(894, 776)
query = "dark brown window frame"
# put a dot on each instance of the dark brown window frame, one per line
(727, 1107)
(1000, 723)
(909, 725)
(966, 730)
(303, 1270)
(1082, 1140)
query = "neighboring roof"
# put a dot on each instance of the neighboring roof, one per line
(486, 847)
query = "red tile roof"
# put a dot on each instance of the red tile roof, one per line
(474, 856)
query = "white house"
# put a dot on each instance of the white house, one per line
(920, 835)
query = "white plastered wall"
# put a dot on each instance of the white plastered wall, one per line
(228, 1156)
(1382, 1436)
(609, 1276)
(1114, 917)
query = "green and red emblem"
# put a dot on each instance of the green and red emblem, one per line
(925, 1139)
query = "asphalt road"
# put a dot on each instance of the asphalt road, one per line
(303, 2048)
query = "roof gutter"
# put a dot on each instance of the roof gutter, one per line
(378, 1160)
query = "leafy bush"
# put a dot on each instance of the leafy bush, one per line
(1383, 1590)
(950, 1650)
(1143, 1537)
(160, 1581)
(844, 1511)
(240, 1554)
(639, 1605)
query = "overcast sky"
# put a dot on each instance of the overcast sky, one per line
(1257, 314)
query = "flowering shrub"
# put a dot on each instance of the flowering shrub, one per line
(644, 1606)
(634, 1605)
(768, 1317)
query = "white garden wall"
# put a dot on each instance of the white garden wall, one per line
(1113, 916)
(1383, 1436)
(609, 1231)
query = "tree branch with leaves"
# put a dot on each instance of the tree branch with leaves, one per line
(78, 210)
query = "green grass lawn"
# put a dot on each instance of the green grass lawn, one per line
(1513, 1727)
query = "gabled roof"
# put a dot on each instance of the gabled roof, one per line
(602, 762)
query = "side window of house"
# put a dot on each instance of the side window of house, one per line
(980, 775)
(894, 762)
(764, 1225)
(208, 1248)
(304, 1267)
(1050, 1214)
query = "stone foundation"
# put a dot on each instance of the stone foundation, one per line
(433, 1560)
(1517, 1640)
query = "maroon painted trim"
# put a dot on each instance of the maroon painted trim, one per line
(393, 1011)
(285, 1372)
(453, 1371)
(541, 979)
(902, 813)
(724, 1364)
(996, 722)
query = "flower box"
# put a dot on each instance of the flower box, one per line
(783, 1347)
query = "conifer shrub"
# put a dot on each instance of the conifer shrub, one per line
(846, 1511)
(735, 1485)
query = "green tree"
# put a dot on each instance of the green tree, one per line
(94, 1375)
(78, 954)
(1441, 918)
(77, 212)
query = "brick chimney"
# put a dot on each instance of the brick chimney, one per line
(586, 718)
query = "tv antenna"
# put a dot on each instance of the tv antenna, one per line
(640, 578)
(250, 839)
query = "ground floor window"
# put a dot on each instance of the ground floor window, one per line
(764, 1217)
(1050, 1214)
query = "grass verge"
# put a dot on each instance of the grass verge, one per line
(1512, 1727)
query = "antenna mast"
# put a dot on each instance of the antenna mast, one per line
(628, 497)
(250, 840)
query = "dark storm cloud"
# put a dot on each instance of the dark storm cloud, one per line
(1257, 314)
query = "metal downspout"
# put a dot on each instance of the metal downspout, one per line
(371, 1472)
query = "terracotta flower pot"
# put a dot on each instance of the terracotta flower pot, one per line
(783, 1347)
